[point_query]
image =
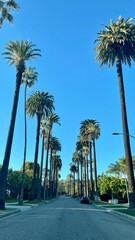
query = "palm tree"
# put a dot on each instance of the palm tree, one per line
(73, 169)
(39, 104)
(17, 53)
(77, 159)
(70, 176)
(81, 142)
(91, 130)
(116, 44)
(28, 78)
(50, 120)
(44, 135)
(114, 168)
(6, 7)
(58, 166)
(55, 146)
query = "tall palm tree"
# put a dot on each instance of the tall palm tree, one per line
(81, 142)
(39, 104)
(55, 146)
(44, 135)
(28, 78)
(116, 44)
(90, 128)
(77, 159)
(73, 169)
(50, 120)
(17, 53)
(6, 7)
(58, 166)
(70, 176)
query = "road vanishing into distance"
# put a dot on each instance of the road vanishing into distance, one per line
(66, 219)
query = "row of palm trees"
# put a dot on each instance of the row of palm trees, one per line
(84, 159)
(39, 104)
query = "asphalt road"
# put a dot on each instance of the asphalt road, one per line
(66, 219)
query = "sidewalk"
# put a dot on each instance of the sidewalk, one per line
(13, 208)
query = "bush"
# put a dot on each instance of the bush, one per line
(105, 197)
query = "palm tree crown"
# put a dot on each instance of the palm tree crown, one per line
(19, 52)
(29, 76)
(5, 8)
(40, 103)
(116, 41)
(90, 129)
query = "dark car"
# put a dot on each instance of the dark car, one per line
(85, 200)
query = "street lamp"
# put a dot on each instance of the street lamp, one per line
(117, 133)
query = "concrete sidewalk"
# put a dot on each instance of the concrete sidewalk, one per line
(13, 208)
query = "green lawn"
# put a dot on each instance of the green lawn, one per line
(130, 212)
(115, 206)
(12, 200)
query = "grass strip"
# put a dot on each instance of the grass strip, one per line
(130, 212)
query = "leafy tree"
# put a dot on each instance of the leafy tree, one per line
(116, 44)
(14, 183)
(112, 186)
(17, 53)
(6, 7)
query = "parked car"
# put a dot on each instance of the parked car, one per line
(84, 200)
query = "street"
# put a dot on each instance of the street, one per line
(66, 219)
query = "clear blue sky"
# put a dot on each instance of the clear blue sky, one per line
(65, 31)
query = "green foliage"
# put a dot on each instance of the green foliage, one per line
(29, 168)
(14, 182)
(111, 185)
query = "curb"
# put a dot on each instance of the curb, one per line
(114, 212)
(4, 214)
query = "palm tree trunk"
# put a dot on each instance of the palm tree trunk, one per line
(91, 174)
(70, 186)
(50, 175)
(78, 178)
(41, 169)
(95, 171)
(81, 175)
(74, 183)
(128, 155)
(54, 178)
(87, 177)
(4, 170)
(25, 145)
(33, 185)
(46, 167)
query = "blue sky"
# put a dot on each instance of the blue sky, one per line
(65, 31)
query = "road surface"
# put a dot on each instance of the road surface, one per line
(66, 219)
